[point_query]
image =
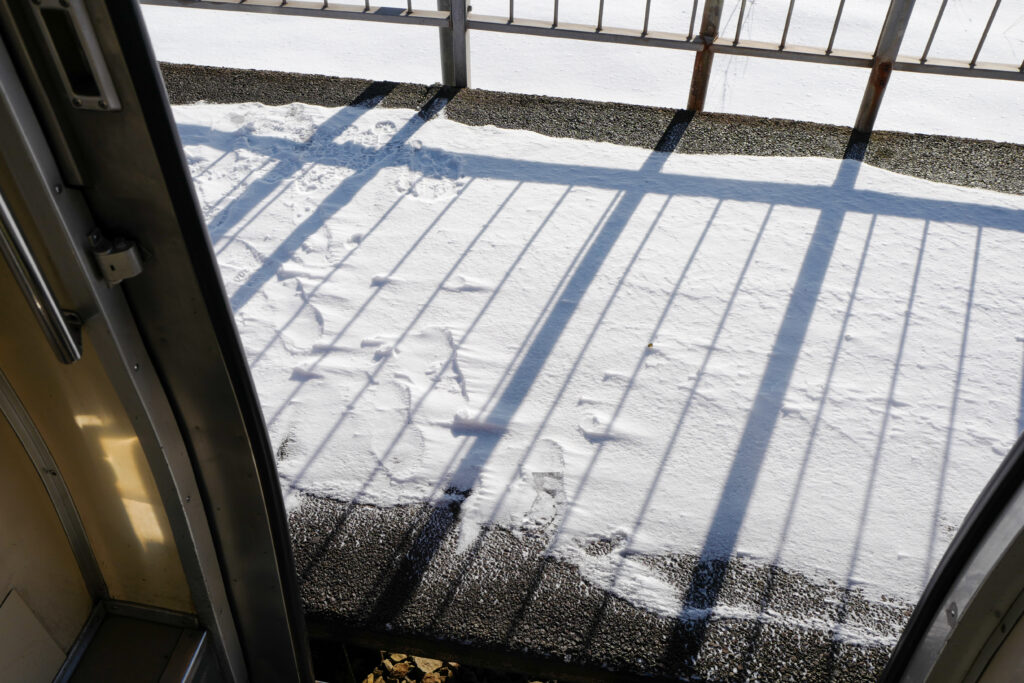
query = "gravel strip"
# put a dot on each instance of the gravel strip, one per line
(958, 161)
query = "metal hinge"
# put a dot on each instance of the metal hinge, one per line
(117, 259)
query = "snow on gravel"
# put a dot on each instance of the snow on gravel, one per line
(916, 103)
(805, 362)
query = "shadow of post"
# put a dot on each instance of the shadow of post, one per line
(426, 537)
(257, 192)
(430, 537)
(338, 198)
(691, 628)
(773, 569)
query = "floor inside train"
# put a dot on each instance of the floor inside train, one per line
(612, 389)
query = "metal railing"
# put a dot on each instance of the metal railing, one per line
(456, 20)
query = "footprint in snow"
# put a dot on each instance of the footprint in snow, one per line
(459, 283)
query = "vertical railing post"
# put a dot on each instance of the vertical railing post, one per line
(705, 56)
(454, 44)
(889, 40)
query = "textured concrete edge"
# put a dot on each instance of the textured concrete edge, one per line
(395, 578)
(324, 631)
(983, 164)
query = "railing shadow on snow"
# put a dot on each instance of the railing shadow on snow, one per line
(833, 202)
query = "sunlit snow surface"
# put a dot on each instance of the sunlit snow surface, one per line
(804, 362)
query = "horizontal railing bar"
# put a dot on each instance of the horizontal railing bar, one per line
(539, 27)
(747, 48)
(395, 15)
(676, 41)
(794, 53)
(953, 67)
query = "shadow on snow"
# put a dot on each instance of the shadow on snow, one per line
(630, 186)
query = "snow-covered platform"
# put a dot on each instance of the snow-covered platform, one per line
(661, 413)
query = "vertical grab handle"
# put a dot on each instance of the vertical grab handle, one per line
(59, 327)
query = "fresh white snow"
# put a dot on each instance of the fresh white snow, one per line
(915, 103)
(801, 361)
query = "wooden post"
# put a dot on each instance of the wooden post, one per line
(704, 58)
(454, 44)
(889, 40)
